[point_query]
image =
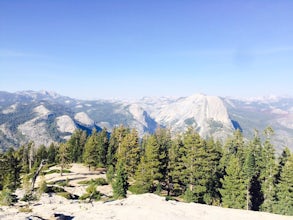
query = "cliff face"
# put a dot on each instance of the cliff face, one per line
(47, 117)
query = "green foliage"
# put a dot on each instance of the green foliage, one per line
(90, 154)
(284, 204)
(41, 154)
(110, 173)
(148, 168)
(67, 195)
(120, 183)
(158, 189)
(55, 171)
(63, 183)
(249, 171)
(6, 197)
(138, 188)
(234, 186)
(128, 152)
(29, 197)
(116, 138)
(196, 163)
(52, 154)
(189, 195)
(63, 156)
(102, 148)
(97, 182)
(91, 193)
(10, 167)
(282, 161)
(76, 145)
(25, 209)
(96, 148)
(43, 187)
(268, 171)
(55, 189)
(242, 174)
(175, 167)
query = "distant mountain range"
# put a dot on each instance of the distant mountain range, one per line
(46, 117)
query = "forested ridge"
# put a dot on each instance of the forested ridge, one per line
(238, 173)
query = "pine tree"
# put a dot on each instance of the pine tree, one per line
(213, 172)
(12, 168)
(175, 167)
(284, 203)
(31, 155)
(196, 173)
(233, 185)
(128, 152)
(120, 183)
(249, 173)
(76, 145)
(110, 173)
(90, 154)
(255, 157)
(282, 161)
(149, 167)
(268, 172)
(23, 154)
(63, 156)
(164, 142)
(52, 154)
(116, 138)
(233, 146)
(41, 153)
(102, 148)
(189, 195)
(143, 179)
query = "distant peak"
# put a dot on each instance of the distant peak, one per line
(33, 93)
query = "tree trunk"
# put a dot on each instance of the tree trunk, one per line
(43, 162)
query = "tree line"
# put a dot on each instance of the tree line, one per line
(236, 173)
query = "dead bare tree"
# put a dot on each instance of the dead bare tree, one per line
(43, 162)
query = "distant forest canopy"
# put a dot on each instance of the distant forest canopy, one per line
(239, 173)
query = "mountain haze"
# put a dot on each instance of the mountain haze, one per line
(46, 117)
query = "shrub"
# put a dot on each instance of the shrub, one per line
(25, 209)
(55, 189)
(29, 197)
(188, 195)
(55, 171)
(66, 195)
(97, 181)
(167, 198)
(43, 188)
(63, 182)
(101, 181)
(6, 197)
(158, 189)
(91, 193)
(137, 189)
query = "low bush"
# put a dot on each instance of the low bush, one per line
(97, 181)
(55, 171)
(65, 194)
(25, 209)
(6, 197)
(138, 189)
(55, 189)
(29, 197)
(91, 193)
(63, 182)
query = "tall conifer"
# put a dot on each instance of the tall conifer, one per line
(233, 185)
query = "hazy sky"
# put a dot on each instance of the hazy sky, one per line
(130, 49)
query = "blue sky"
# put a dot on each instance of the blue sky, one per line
(130, 49)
